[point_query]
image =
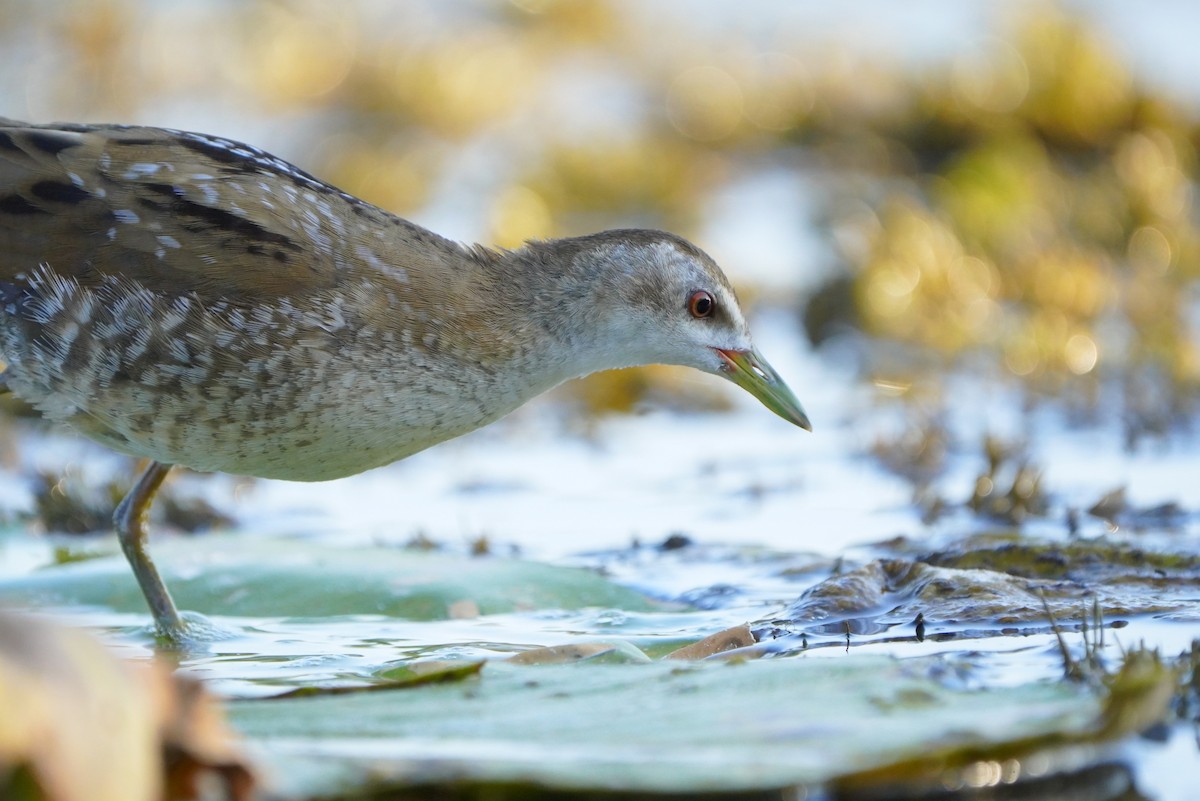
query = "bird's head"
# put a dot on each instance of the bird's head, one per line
(654, 298)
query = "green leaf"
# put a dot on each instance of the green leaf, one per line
(651, 727)
(396, 679)
(247, 576)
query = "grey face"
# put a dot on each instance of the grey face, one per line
(662, 300)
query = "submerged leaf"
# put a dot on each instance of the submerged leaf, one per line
(250, 576)
(396, 679)
(1138, 697)
(661, 727)
(613, 652)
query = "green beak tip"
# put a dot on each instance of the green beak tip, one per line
(750, 371)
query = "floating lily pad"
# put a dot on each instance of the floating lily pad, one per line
(246, 576)
(657, 727)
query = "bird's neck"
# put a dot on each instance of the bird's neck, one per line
(558, 300)
(536, 315)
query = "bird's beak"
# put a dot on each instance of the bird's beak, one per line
(750, 371)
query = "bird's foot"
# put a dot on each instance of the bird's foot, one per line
(193, 633)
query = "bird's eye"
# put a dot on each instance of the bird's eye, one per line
(701, 304)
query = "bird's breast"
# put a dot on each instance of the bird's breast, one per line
(301, 388)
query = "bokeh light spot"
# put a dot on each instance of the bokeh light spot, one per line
(1149, 250)
(705, 104)
(992, 78)
(519, 214)
(1081, 354)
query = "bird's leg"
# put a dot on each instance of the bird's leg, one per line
(130, 521)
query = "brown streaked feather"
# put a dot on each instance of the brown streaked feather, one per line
(178, 212)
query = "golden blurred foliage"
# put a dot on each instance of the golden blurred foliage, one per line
(653, 176)
(456, 86)
(1040, 209)
(1080, 93)
(392, 172)
(518, 215)
(309, 53)
(627, 391)
(705, 103)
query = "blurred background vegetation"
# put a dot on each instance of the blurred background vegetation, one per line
(1021, 207)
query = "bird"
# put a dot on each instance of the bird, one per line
(191, 300)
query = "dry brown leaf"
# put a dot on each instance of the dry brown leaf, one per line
(727, 640)
(558, 654)
(198, 747)
(81, 725)
(76, 719)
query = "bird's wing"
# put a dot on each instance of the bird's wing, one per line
(175, 211)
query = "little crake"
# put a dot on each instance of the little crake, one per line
(196, 301)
